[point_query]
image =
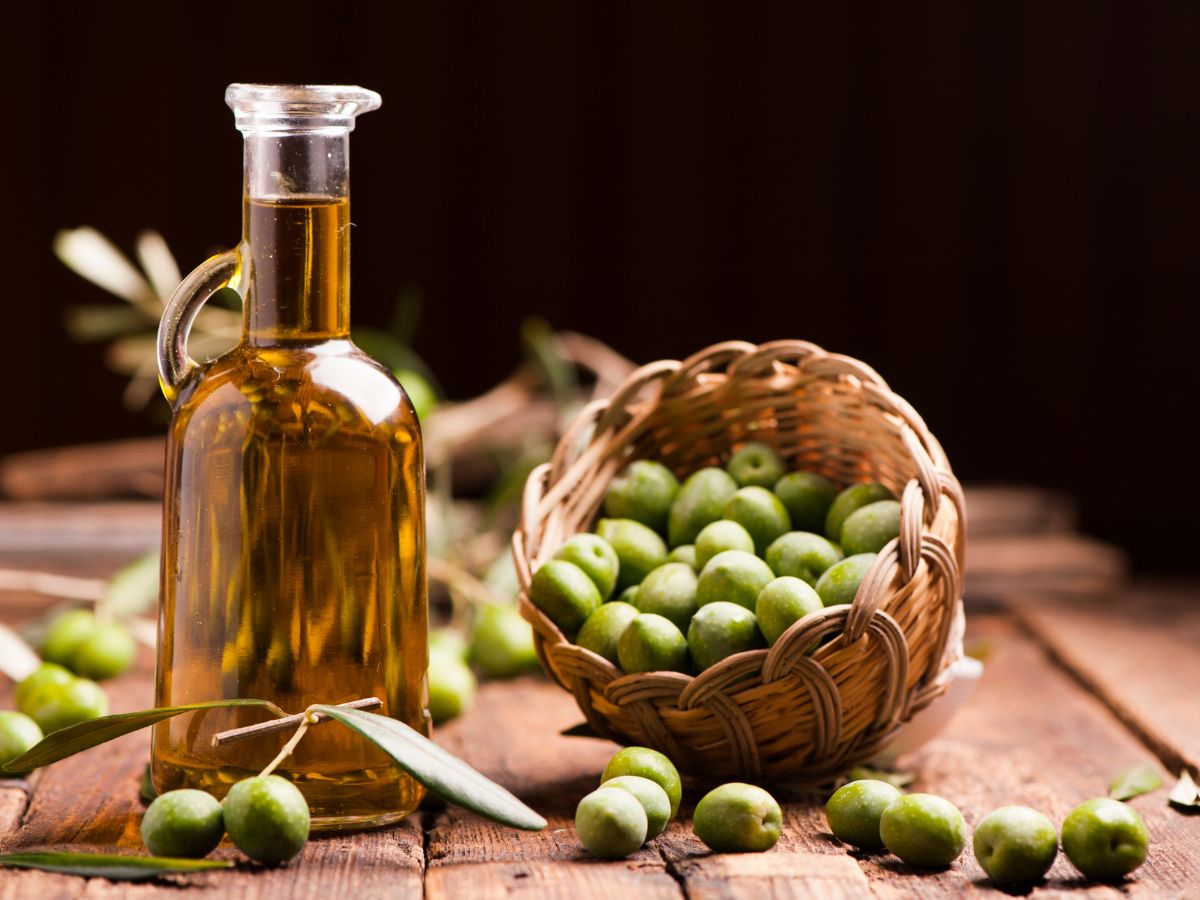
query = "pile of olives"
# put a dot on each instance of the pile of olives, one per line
(639, 795)
(1015, 845)
(60, 692)
(678, 577)
(266, 818)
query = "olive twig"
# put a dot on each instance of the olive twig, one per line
(309, 719)
(250, 731)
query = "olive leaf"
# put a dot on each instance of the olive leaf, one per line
(582, 729)
(1141, 779)
(110, 866)
(895, 779)
(85, 735)
(440, 771)
(1186, 793)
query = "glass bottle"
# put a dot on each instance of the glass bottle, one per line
(293, 524)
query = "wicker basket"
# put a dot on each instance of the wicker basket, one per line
(778, 713)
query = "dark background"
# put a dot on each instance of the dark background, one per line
(992, 203)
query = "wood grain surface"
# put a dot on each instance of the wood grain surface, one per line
(1139, 651)
(1031, 733)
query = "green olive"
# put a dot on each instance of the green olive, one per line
(761, 513)
(782, 603)
(924, 830)
(1105, 839)
(642, 491)
(669, 591)
(502, 642)
(700, 500)
(807, 497)
(854, 810)
(451, 686)
(65, 635)
(852, 498)
(267, 818)
(869, 528)
(647, 763)
(18, 733)
(684, 553)
(184, 823)
(717, 537)
(735, 576)
(46, 673)
(564, 592)
(719, 630)
(756, 465)
(611, 823)
(738, 818)
(639, 549)
(448, 640)
(56, 706)
(840, 582)
(652, 643)
(653, 798)
(603, 629)
(802, 555)
(105, 653)
(596, 557)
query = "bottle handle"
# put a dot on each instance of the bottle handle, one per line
(174, 364)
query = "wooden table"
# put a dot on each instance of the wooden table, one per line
(1070, 696)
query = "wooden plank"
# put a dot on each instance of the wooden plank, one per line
(1140, 653)
(1029, 735)
(89, 471)
(512, 737)
(62, 530)
(1059, 564)
(90, 802)
(1007, 510)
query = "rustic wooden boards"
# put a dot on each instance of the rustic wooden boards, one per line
(1140, 653)
(90, 802)
(1029, 734)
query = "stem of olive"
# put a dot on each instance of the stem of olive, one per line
(290, 745)
(241, 734)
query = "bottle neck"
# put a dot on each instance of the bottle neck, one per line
(296, 237)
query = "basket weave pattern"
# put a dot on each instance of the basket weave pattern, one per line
(782, 712)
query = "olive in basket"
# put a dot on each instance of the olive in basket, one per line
(701, 500)
(756, 465)
(639, 549)
(643, 491)
(849, 501)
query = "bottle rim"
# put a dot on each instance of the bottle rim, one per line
(298, 108)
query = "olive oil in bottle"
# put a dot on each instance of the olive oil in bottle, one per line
(293, 536)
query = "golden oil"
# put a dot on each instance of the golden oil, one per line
(293, 537)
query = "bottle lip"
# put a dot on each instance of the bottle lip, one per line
(298, 108)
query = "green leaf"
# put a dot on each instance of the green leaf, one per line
(134, 587)
(110, 866)
(85, 735)
(582, 729)
(895, 779)
(1141, 779)
(1186, 793)
(441, 772)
